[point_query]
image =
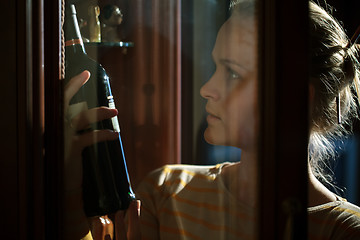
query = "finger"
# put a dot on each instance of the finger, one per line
(89, 138)
(109, 228)
(134, 220)
(73, 86)
(96, 227)
(120, 229)
(85, 118)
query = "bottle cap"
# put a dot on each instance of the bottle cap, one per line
(70, 9)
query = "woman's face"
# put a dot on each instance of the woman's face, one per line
(231, 91)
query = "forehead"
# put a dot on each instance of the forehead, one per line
(237, 36)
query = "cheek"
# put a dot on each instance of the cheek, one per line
(240, 118)
(237, 125)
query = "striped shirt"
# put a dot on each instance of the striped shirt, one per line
(192, 202)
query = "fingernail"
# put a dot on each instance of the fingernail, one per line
(86, 75)
(87, 72)
(138, 205)
(115, 111)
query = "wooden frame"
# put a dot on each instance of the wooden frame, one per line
(53, 136)
(23, 129)
(283, 91)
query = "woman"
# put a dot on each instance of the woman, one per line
(220, 202)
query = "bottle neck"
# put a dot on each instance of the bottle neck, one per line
(73, 39)
(74, 46)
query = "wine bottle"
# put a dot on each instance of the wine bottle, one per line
(106, 183)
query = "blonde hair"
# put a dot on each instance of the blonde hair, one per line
(334, 72)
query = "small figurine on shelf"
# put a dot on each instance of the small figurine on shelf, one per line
(83, 25)
(111, 17)
(94, 23)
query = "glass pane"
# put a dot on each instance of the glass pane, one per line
(214, 105)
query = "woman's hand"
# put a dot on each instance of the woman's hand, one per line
(102, 228)
(75, 123)
(75, 140)
(131, 230)
(77, 136)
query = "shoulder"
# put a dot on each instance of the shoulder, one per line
(162, 185)
(180, 173)
(341, 219)
(339, 209)
(172, 179)
(347, 212)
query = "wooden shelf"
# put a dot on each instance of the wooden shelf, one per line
(110, 44)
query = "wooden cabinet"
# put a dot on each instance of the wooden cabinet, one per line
(152, 85)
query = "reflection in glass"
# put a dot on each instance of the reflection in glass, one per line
(221, 200)
(215, 201)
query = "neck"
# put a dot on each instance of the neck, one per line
(317, 193)
(242, 178)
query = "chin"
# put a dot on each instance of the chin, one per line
(212, 138)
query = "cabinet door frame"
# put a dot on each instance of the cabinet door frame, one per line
(283, 117)
(29, 205)
(53, 110)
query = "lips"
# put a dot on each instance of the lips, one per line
(211, 117)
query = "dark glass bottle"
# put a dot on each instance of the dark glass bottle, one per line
(106, 184)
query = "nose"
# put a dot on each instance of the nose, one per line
(209, 90)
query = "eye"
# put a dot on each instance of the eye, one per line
(232, 75)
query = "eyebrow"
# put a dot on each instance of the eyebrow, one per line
(226, 61)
